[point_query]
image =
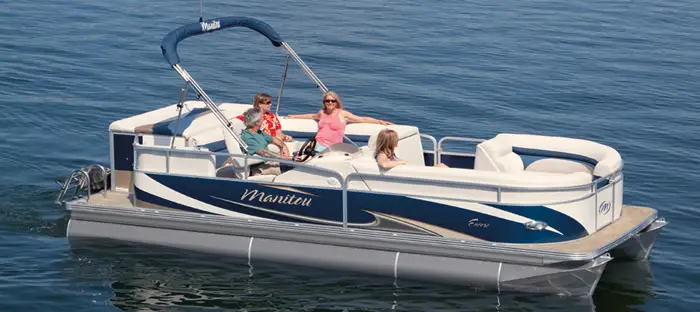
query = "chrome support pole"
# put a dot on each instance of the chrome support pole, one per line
(305, 68)
(87, 183)
(167, 161)
(432, 139)
(595, 207)
(134, 163)
(613, 198)
(451, 138)
(180, 104)
(210, 104)
(345, 202)
(245, 167)
(284, 77)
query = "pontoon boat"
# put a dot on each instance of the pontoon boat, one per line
(520, 213)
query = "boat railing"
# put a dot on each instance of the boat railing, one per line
(434, 150)
(246, 159)
(612, 179)
(499, 189)
(441, 151)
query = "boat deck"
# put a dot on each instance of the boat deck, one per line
(632, 217)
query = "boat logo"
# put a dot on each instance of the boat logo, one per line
(474, 223)
(287, 199)
(213, 25)
(604, 208)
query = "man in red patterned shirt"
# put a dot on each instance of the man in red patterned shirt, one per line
(271, 125)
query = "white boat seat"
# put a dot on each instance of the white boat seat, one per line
(313, 177)
(263, 177)
(440, 186)
(234, 149)
(518, 152)
(178, 162)
(195, 119)
(410, 147)
(555, 165)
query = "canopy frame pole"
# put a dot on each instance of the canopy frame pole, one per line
(180, 104)
(284, 77)
(210, 104)
(305, 68)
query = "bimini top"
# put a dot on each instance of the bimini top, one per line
(169, 44)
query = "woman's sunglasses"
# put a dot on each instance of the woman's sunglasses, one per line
(330, 101)
(266, 102)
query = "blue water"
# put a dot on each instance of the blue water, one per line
(624, 73)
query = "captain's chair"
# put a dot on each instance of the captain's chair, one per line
(234, 149)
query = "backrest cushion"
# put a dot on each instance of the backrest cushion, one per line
(410, 147)
(510, 162)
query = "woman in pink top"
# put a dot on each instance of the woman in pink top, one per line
(332, 120)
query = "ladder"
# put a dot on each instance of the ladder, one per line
(79, 180)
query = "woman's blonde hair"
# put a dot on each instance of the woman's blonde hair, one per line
(259, 98)
(334, 95)
(387, 139)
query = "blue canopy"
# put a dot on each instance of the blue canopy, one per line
(169, 43)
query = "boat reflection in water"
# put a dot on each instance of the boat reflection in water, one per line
(145, 277)
(625, 285)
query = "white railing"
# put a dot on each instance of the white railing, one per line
(434, 150)
(613, 179)
(441, 151)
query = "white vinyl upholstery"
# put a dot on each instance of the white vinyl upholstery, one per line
(440, 178)
(238, 163)
(559, 166)
(410, 147)
(202, 122)
(313, 177)
(494, 154)
(161, 140)
(179, 162)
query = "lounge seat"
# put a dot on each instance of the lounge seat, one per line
(440, 178)
(177, 161)
(518, 152)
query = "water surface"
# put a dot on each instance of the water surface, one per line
(624, 73)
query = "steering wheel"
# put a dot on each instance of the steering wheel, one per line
(308, 149)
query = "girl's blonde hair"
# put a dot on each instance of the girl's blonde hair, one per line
(334, 95)
(387, 139)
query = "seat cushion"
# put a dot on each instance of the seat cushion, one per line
(604, 159)
(554, 165)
